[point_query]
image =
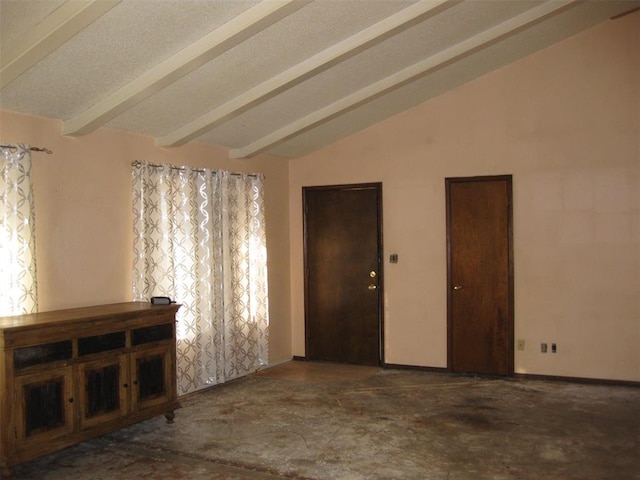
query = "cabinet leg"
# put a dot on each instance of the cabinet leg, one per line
(170, 416)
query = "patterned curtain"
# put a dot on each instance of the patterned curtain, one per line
(18, 286)
(199, 238)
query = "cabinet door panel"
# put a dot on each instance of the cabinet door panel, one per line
(44, 405)
(151, 371)
(103, 390)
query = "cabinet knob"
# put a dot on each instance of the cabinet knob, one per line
(126, 385)
(71, 400)
(135, 382)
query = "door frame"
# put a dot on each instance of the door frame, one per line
(509, 184)
(352, 186)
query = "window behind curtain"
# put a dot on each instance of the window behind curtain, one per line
(199, 238)
(18, 285)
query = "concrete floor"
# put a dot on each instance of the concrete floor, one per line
(305, 420)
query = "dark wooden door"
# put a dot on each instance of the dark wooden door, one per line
(343, 273)
(480, 275)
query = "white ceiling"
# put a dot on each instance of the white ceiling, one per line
(284, 77)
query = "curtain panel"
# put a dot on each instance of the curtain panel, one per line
(199, 238)
(18, 284)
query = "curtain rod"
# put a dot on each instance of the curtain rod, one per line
(138, 163)
(34, 149)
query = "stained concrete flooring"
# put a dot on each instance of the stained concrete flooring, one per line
(304, 420)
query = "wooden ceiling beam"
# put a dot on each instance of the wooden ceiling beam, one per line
(299, 73)
(56, 29)
(232, 33)
(403, 77)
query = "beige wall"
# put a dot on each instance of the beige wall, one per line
(84, 220)
(565, 123)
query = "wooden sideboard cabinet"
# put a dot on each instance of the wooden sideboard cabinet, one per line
(69, 375)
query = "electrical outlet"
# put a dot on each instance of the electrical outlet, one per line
(543, 347)
(554, 348)
(520, 344)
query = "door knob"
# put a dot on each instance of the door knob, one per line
(372, 287)
(458, 287)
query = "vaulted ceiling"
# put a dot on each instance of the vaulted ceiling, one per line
(284, 77)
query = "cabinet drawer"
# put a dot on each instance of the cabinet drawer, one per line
(101, 343)
(41, 354)
(155, 333)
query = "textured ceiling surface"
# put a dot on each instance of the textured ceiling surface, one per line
(283, 77)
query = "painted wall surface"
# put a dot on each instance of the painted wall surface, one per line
(84, 214)
(565, 123)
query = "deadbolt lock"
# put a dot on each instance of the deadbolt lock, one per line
(372, 274)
